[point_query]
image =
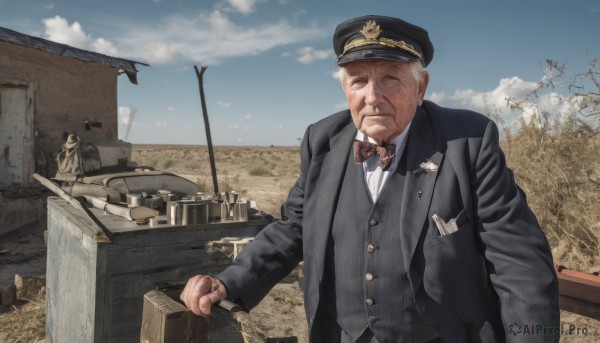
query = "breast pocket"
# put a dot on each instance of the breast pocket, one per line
(443, 232)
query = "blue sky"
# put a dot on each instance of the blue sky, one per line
(271, 61)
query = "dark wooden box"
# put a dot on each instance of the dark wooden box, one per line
(95, 289)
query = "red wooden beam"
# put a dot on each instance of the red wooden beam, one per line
(579, 292)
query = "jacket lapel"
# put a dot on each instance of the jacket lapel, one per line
(419, 183)
(332, 170)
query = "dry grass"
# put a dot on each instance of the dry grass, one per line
(559, 169)
(24, 322)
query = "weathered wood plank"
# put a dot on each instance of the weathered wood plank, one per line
(579, 292)
(582, 307)
(70, 279)
(29, 286)
(167, 321)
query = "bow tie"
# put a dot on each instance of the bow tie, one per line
(364, 150)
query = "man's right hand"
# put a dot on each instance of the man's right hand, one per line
(201, 292)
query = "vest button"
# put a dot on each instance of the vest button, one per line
(369, 276)
(370, 248)
(369, 301)
(372, 319)
(372, 221)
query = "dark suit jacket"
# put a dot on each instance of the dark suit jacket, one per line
(494, 271)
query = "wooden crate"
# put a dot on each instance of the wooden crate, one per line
(95, 289)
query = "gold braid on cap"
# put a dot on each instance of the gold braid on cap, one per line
(371, 31)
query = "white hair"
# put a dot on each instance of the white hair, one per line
(415, 67)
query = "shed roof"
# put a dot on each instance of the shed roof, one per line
(126, 66)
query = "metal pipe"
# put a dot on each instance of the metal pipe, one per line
(211, 154)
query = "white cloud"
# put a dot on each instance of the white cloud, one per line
(103, 46)
(224, 104)
(247, 127)
(486, 102)
(496, 101)
(286, 54)
(208, 37)
(57, 29)
(233, 127)
(308, 54)
(160, 124)
(48, 7)
(242, 6)
(280, 127)
(248, 116)
(171, 108)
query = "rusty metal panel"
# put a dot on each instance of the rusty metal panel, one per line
(128, 66)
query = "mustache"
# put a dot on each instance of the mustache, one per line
(373, 114)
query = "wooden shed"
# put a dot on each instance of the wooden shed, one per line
(47, 91)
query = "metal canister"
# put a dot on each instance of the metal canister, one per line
(176, 209)
(172, 212)
(214, 211)
(194, 213)
(240, 211)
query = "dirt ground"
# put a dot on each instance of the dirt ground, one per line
(260, 174)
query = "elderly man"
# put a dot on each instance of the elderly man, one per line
(409, 223)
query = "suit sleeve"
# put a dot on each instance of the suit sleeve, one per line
(274, 252)
(517, 253)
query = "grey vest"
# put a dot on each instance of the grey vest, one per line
(366, 284)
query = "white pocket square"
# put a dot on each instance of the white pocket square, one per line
(443, 227)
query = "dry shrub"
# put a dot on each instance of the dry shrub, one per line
(555, 158)
(259, 170)
(165, 164)
(558, 167)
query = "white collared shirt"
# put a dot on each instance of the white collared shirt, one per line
(371, 164)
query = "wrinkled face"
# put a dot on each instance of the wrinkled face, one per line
(383, 96)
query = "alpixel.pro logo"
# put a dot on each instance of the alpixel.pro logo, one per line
(537, 329)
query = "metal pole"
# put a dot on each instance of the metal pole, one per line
(211, 154)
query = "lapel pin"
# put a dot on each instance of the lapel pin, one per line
(429, 166)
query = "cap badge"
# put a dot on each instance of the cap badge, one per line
(371, 30)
